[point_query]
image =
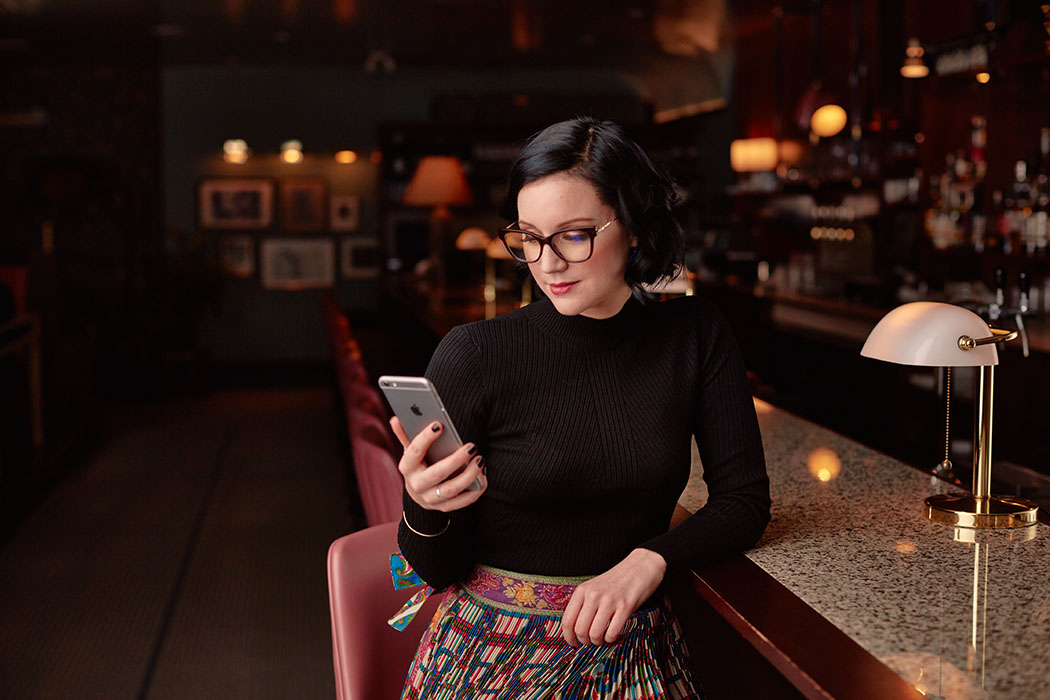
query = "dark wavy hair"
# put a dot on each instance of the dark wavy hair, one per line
(641, 193)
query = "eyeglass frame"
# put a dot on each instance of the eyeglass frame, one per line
(591, 231)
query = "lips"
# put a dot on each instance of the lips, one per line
(562, 287)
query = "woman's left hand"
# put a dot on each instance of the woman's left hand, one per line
(599, 607)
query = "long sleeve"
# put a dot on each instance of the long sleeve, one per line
(726, 430)
(456, 371)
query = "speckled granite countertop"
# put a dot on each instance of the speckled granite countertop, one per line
(959, 620)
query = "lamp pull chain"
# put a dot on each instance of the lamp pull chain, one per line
(944, 469)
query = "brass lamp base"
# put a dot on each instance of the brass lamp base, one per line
(989, 512)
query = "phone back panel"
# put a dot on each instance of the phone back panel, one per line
(416, 403)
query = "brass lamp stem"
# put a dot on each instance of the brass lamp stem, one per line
(980, 509)
(982, 455)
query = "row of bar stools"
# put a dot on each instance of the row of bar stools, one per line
(371, 440)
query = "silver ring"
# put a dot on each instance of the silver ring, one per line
(438, 492)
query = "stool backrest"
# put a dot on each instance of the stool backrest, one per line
(371, 658)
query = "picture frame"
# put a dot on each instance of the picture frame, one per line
(294, 264)
(344, 212)
(359, 258)
(303, 204)
(235, 203)
(236, 255)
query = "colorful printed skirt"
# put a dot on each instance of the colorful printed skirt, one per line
(498, 636)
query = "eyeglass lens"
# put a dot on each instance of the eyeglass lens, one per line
(572, 246)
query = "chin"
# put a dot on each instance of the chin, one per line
(566, 307)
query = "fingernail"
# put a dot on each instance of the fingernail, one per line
(436, 427)
(485, 470)
(472, 450)
(481, 462)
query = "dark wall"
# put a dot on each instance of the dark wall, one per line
(328, 108)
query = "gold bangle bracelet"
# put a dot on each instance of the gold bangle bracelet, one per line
(423, 534)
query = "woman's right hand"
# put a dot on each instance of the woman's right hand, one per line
(433, 486)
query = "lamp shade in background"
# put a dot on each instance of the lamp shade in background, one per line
(753, 155)
(927, 333)
(472, 238)
(497, 251)
(438, 182)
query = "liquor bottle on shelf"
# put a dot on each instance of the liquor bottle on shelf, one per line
(998, 226)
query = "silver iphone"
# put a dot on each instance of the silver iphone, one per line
(416, 404)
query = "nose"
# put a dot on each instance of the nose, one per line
(549, 261)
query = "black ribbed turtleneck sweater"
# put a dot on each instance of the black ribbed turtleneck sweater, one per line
(585, 426)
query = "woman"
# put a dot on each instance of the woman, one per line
(578, 411)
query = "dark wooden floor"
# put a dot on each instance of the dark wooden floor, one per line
(185, 559)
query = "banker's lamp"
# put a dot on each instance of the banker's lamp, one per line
(438, 182)
(944, 335)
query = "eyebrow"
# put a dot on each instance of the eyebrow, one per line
(563, 225)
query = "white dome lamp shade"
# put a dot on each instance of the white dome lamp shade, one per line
(928, 333)
(944, 335)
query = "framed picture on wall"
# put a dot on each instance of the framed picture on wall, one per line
(359, 258)
(303, 203)
(345, 212)
(237, 254)
(292, 264)
(235, 203)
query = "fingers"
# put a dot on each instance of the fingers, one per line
(616, 625)
(436, 474)
(593, 618)
(595, 633)
(568, 618)
(585, 620)
(443, 492)
(399, 431)
(416, 450)
(463, 500)
(439, 486)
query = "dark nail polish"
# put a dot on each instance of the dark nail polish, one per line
(472, 450)
(485, 470)
(481, 462)
(436, 427)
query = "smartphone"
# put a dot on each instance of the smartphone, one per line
(416, 404)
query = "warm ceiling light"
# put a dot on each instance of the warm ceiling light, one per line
(753, 155)
(983, 77)
(235, 151)
(345, 157)
(292, 151)
(914, 67)
(828, 120)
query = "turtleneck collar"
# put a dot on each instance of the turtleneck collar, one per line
(585, 332)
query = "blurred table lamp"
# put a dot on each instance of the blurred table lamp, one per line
(943, 335)
(497, 251)
(471, 243)
(438, 182)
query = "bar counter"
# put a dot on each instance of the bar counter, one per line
(956, 613)
(851, 593)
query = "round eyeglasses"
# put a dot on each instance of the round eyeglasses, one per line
(572, 245)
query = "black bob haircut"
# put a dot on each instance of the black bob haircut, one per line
(626, 179)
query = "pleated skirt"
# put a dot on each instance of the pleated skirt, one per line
(498, 636)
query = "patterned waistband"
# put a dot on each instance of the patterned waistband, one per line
(507, 590)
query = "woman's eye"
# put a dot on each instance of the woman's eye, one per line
(574, 236)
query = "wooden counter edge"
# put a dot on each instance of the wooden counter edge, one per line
(810, 652)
